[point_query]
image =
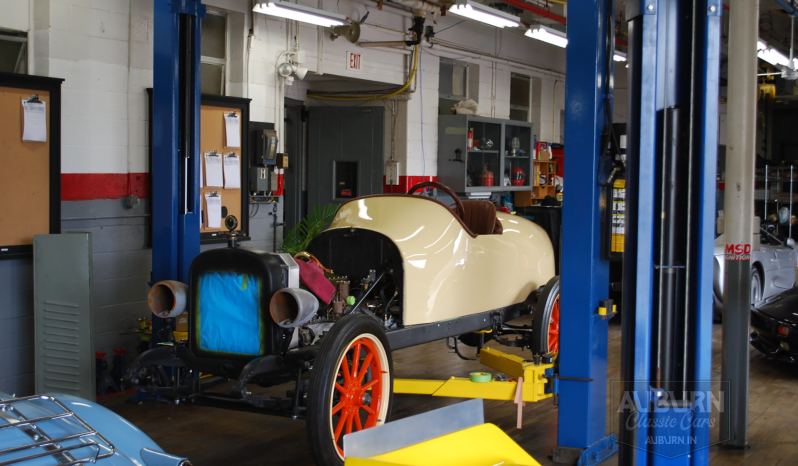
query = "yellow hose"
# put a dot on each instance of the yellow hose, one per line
(384, 96)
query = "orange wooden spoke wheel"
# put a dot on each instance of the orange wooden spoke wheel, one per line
(554, 327)
(358, 389)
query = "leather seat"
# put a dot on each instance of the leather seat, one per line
(480, 218)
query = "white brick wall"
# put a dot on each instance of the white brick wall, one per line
(104, 49)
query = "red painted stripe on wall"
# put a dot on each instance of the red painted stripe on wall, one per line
(405, 183)
(94, 186)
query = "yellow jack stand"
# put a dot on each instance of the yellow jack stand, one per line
(534, 385)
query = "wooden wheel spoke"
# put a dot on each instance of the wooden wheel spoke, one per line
(345, 369)
(371, 383)
(340, 426)
(364, 368)
(337, 408)
(340, 388)
(358, 424)
(349, 423)
(356, 360)
(368, 409)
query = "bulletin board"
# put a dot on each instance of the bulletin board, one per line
(30, 172)
(213, 137)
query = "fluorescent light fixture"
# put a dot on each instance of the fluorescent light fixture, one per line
(484, 14)
(619, 56)
(761, 45)
(548, 35)
(299, 13)
(773, 56)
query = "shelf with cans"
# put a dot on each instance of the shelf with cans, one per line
(478, 154)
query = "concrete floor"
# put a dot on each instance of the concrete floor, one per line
(211, 437)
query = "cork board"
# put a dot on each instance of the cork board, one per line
(212, 137)
(24, 172)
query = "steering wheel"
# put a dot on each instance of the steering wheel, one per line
(459, 210)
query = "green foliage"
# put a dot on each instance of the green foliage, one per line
(298, 239)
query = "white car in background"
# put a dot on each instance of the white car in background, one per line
(772, 269)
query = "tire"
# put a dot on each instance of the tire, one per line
(329, 417)
(546, 337)
(756, 285)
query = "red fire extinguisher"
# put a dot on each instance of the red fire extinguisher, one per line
(470, 139)
(487, 176)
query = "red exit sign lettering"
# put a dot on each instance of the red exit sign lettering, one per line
(353, 61)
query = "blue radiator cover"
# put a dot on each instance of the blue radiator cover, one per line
(229, 317)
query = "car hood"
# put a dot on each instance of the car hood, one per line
(782, 307)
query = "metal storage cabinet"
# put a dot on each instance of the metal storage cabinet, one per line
(462, 169)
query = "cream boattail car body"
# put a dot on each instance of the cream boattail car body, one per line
(449, 273)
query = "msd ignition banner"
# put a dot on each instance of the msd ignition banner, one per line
(738, 252)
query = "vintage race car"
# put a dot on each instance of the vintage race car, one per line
(402, 270)
(63, 429)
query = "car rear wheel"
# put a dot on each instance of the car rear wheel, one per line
(756, 286)
(351, 387)
(546, 324)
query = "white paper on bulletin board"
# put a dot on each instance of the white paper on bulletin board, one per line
(213, 170)
(34, 125)
(213, 211)
(232, 172)
(232, 125)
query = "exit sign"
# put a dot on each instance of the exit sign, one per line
(353, 61)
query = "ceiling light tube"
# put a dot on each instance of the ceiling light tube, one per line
(773, 56)
(619, 56)
(479, 12)
(548, 35)
(299, 13)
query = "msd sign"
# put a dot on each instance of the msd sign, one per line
(738, 252)
(353, 61)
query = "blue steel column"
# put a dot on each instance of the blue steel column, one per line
(585, 276)
(674, 61)
(165, 139)
(176, 131)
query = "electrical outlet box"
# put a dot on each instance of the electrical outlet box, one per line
(392, 173)
(259, 180)
(282, 160)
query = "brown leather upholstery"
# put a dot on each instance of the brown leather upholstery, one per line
(480, 218)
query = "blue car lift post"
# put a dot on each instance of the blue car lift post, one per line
(175, 142)
(674, 54)
(581, 424)
(672, 128)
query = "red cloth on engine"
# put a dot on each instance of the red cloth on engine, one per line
(311, 275)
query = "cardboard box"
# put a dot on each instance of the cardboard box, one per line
(544, 151)
(181, 322)
(523, 199)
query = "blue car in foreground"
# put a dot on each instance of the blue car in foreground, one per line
(46, 430)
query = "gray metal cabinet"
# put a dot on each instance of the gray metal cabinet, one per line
(494, 164)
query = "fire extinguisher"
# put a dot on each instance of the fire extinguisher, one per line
(470, 139)
(487, 176)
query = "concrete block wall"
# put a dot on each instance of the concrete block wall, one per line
(104, 49)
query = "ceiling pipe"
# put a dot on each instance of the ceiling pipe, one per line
(541, 12)
(789, 9)
(537, 10)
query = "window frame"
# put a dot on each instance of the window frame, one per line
(204, 59)
(9, 35)
(528, 107)
(466, 82)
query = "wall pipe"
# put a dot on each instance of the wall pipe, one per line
(739, 201)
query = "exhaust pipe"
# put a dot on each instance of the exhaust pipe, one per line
(292, 307)
(168, 298)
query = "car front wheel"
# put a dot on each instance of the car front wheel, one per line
(756, 286)
(546, 324)
(351, 387)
